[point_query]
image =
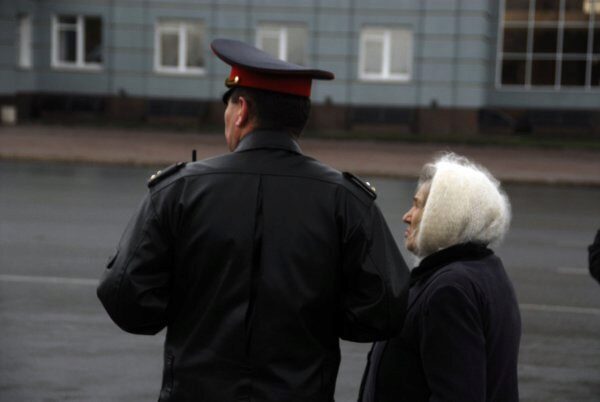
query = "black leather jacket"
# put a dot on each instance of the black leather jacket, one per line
(256, 262)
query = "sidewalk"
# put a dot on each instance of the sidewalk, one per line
(367, 158)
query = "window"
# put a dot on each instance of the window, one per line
(77, 41)
(385, 54)
(179, 47)
(549, 44)
(286, 42)
(25, 59)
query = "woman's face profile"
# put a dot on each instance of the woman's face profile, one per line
(413, 218)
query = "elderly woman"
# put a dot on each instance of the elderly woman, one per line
(460, 340)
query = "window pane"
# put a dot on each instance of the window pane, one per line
(596, 73)
(516, 10)
(67, 45)
(169, 49)
(269, 42)
(547, 10)
(575, 40)
(93, 40)
(573, 73)
(515, 40)
(543, 72)
(195, 47)
(574, 11)
(296, 49)
(545, 40)
(513, 72)
(67, 19)
(401, 52)
(24, 41)
(373, 61)
(597, 38)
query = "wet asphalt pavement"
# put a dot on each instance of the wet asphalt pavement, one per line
(59, 223)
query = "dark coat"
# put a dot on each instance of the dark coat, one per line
(594, 256)
(257, 262)
(460, 340)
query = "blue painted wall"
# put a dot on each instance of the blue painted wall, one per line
(454, 50)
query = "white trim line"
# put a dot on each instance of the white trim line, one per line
(547, 308)
(54, 280)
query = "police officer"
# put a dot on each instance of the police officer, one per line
(257, 261)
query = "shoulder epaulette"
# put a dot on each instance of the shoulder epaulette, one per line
(162, 174)
(363, 185)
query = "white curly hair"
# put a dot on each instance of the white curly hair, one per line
(465, 204)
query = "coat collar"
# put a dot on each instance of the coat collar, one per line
(434, 262)
(261, 139)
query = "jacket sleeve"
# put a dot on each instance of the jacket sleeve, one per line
(594, 256)
(453, 347)
(134, 288)
(375, 281)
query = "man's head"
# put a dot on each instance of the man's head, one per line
(249, 109)
(265, 92)
(456, 202)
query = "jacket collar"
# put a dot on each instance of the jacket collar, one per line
(434, 262)
(260, 139)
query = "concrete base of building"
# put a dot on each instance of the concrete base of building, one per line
(432, 122)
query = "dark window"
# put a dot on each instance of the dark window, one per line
(560, 38)
(545, 40)
(68, 45)
(93, 40)
(547, 10)
(543, 72)
(575, 11)
(573, 73)
(78, 41)
(513, 72)
(515, 40)
(596, 73)
(597, 39)
(575, 40)
(517, 10)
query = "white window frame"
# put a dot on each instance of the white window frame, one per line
(180, 28)
(273, 30)
(559, 56)
(385, 35)
(80, 63)
(25, 51)
(281, 31)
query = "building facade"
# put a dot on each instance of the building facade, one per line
(417, 66)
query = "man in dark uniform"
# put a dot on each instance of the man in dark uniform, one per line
(257, 261)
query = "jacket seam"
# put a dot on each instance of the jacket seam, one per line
(366, 203)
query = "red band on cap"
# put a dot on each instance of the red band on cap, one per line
(299, 86)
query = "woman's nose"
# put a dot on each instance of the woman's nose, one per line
(407, 216)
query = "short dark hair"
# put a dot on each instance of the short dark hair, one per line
(273, 110)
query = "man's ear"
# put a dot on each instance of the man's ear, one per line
(243, 112)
